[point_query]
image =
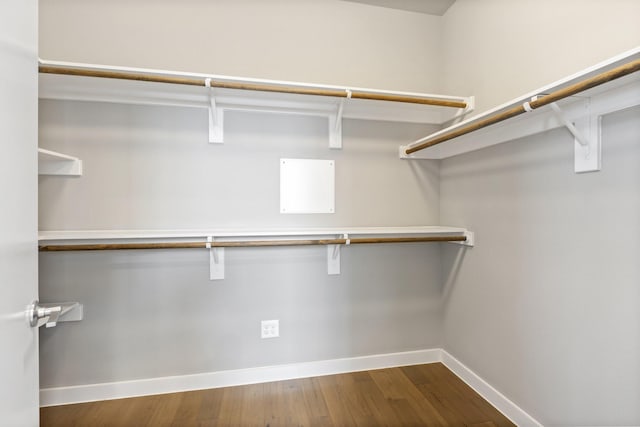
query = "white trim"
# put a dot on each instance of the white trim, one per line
(118, 390)
(490, 394)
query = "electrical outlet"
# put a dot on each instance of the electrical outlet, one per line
(270, 329)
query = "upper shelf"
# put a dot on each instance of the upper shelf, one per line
(580, 100)
(89, 82)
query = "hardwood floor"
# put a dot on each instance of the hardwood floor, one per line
(421, 395)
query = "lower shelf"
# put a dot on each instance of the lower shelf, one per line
(217, 240)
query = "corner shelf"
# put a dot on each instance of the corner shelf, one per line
(215, 240)
(583, 111)
(53, 163)
(90, 82)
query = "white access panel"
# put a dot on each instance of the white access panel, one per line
(307, 186)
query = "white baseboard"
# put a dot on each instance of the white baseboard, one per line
(118, 390)
(490, 394)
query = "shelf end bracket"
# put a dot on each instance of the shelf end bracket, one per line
(463, 112)
(471, 239)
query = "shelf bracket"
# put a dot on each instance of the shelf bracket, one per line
(335, 124)
(216, 117)
(580, 139)
(333, 257)
(587, 141)
(586, 136)
(216, 261)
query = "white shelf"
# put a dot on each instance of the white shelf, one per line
(53, 163)
(335, 239)
(82, 88)
(583, 109)
(69, 236)
(78, 88)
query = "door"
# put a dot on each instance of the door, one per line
(18, 212)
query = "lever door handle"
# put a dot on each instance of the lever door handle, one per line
(48, 314)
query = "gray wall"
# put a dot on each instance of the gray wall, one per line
(151, 314)
(319, 41)
(156, 314)
(501, 49)
(546, 307)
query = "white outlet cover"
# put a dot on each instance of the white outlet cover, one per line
(269, 329)
(307, 186)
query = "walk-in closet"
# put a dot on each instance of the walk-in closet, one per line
(320, 213)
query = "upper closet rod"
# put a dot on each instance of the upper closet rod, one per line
(248, 243)
(192, 81)
(573, 89)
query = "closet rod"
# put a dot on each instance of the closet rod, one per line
(192, 81)
(615, 73)
(248, 243)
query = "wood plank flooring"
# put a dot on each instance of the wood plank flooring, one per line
(421, 395)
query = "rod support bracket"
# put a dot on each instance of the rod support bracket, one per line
(216, 261)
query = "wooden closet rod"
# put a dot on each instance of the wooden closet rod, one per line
(193, 81)
(248, 243)
(571, 90)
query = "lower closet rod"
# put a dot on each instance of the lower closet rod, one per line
(248, 243)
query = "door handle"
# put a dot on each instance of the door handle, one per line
(49, 314)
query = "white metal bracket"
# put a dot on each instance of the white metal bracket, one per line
(586, 134)
(216, 261)
(471, 239)
(333, 256)
(335, 124)
(216, 117)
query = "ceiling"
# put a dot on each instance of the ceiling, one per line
(431, 7)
